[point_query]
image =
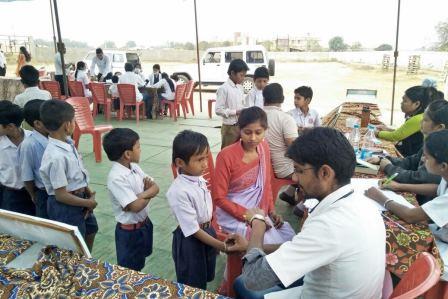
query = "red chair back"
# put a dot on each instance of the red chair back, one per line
(76, 89)
(98, 92)
(423, 274)
(179, 95)
(53, 88)
(83, 115)
(189, 89)
(127, 94)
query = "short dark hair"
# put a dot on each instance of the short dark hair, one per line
(115, 79)
(438, 112)
(29, 75)
(156, 66)
(237, 66)
(261, 72)
(31, 111)
(54, 113)
(252, 115)
(119, 140)
(304, 91)
(325, 146)
(99, 51)
(436, 144)
(273, 94)
(187, 144)
(10, 113)
(425, 95)
(128, 67)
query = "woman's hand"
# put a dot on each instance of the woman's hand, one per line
(393, 186)
(251, 212)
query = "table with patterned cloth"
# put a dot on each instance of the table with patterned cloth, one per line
(69, 275)
(10, 87)
(402, 247)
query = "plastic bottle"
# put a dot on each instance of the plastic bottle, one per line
(355, 138)
(368, 142)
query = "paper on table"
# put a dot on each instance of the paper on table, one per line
(361, 185)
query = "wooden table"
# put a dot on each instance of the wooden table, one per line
(155, 102)
(402, 247)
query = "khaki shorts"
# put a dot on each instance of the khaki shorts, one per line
(229, 135)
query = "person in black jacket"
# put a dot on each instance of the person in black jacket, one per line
(412, 170)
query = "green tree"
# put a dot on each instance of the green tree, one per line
(131, 44)
(384, 47)
(356, 46)
(189, 46)
(337, 44)
(442, 32)
(109, 44)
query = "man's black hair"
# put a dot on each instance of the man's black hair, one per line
(187, 144)
(10, 114)
(237, 66)
(261, 72)
(31, 111)
(325, 146)
(119, 140)
(99, 51)
(252, 115)
(54, 113)
(273, 94)
(29, 75)
(128, 67)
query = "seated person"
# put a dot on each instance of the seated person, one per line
(168, 90)
(155, 76)
(304, 116)
(255, 96)
(138, 71)
(281, 134)
(113, 91)
(412, 170)
(408, 136)
(129, 77)
(81, 76)
(435, 210)
(29, 76)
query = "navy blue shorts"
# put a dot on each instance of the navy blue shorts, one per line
(133, 246)
(18, 201)
(194, 261)
(41, 203)
(71, 215)
(1, 196)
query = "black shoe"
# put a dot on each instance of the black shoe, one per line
(288, 198)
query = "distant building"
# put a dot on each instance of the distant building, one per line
(296, 44)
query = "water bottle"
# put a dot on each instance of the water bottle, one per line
(368, 142)
(355, 137)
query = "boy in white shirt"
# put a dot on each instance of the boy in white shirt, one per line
(304, 116)
(29, 76)
(255, 96)
(130, 190)
(129, 77)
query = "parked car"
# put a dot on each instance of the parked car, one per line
(215, 62)
(118, 59)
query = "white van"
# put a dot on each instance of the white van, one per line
(215, 63)
(118, 59)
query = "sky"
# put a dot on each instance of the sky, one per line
(153, 23)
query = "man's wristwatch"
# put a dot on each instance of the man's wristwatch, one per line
(258, 217)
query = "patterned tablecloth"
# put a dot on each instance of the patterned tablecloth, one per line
(60, 273)
(402, 247)
(10, 87)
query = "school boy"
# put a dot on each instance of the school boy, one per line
(130, 190)
(15, 198)
(70, 199)
(255, 96)
(230, 101)
(194, 240)
(30, 157)
(304, 116)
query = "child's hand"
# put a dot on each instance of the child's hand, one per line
(91, 202)
(148, 183)
(393, 186)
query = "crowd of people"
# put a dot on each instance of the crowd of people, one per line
(42, 174)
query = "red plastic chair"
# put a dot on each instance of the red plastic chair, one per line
(85, 125)
(53, 88)
(210, 103)
(277, 184)
(423, 274)
(128, 97)
(179, 99)
(189, 96)
(76, 89)
(99, 96)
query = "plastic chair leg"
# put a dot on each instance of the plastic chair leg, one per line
(210, 103)
(97, 146)
(95, 109)
(107, 108)
(190, 101)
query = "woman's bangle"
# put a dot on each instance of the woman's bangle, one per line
(386, 202)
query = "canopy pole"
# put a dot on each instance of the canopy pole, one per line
(60, 46)
(395, 63)
(52, 27)
(197, 55)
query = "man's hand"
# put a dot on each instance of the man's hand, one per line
(376, 195)
(384, 162)
(236, 243)
(276, 219)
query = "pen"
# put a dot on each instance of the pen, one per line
(396, 223)
(389, 179)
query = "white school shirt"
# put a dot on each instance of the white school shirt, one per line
(310, 120)
(167, 93)
(255, 98)
(340, 250)
(123, 185)
(229, 99)
(113, 90)
(132, 78)
(104, 65)
(2, 60)
(437, 210)
(9, 163)
(190, 202)
(62, 166)
(31, 93)
(82, 77)
(152, 76)
(57, 64)
(30, 154)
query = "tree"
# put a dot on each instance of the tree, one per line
(442, 32)
(337, 44)
(313, 46)
(356, 46)
(384, 47)
(131, 44)
(189, 46)
(109, 44)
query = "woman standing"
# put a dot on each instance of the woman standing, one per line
(24, 58)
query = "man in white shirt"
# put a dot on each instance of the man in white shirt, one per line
(58, 68)
(129, 77)
(103, 63)
(340, 250)
(30, 79)
(2, 63)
